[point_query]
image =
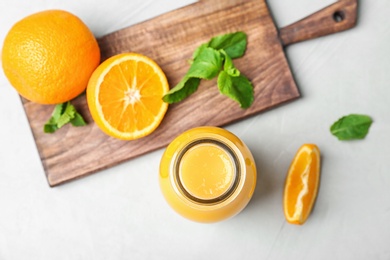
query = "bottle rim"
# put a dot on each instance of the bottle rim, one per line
(236, 176)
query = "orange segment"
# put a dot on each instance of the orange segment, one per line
(301, 185)
(125, 94)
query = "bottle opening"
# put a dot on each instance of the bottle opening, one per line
(207, 171)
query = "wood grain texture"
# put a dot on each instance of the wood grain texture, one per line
(170, 39)
(337, 17)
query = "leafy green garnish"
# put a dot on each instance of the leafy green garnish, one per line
(63, 114)
(351, 127)
(237, 88)
(234, 44)
(213, 59)
(207, 64)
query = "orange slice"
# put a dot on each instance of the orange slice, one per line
(301, 185)
(124, 96)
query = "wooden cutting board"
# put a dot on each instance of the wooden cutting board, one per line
(170, 39)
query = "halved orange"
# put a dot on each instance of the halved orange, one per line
(124, 96)
(301, 185)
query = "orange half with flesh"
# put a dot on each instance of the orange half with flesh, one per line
(124, 96)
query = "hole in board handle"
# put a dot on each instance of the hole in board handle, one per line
(338, 16)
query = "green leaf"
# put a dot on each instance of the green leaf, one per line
(233, 43)
(225, 83)
(238, 88)
(199, 50)
(58, 111)
(213, 59)
(228, 65)
(351, 127)
(51, 124)
(78, 120)
(67, 115)
(50, 128)
(63, 114)
(185, 88)
(207, 65)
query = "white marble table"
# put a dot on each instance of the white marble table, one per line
(120, 213)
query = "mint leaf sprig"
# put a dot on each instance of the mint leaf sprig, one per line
(351, 127)
(63, 114)
(212, 59)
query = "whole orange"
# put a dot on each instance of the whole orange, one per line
(49, 56)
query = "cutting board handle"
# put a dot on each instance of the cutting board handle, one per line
(337, 17)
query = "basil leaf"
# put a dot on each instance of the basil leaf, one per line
(351, 127)
(185, 88)
(238, 88)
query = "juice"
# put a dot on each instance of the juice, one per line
(207, 174)
(206, 171)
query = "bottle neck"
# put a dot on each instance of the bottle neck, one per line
(207, 171)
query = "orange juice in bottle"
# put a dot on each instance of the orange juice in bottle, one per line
(207, 174)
